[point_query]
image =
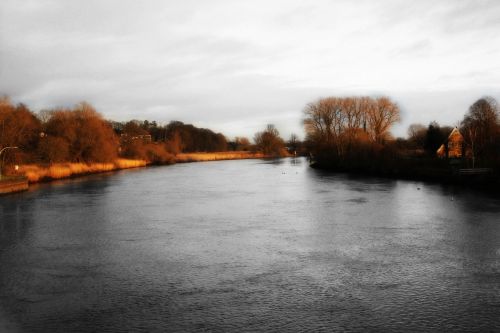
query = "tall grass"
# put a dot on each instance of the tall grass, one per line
(217, 156)
(36, 173)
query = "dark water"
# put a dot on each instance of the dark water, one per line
(245, 246)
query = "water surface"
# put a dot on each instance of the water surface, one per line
(248, 245)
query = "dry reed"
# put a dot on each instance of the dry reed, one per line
(37, 173)
(217, 156)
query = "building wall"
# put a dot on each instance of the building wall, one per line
(455, 144)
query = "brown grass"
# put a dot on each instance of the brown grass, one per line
(37, 173)
(217, 156)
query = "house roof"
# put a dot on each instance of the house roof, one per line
(441, 150)
(454, 133)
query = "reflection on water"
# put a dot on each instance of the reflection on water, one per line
(254, 245)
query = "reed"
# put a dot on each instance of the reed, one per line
(217, 156)
(36, 173)
(123, 163)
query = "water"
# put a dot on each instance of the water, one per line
(248, 245)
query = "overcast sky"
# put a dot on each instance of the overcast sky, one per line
(234, 66)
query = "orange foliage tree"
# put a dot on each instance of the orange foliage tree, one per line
(19, 127)
(78, 135)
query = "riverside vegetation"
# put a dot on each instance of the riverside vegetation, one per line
(64, 142)
(342, 133)
(353, 134)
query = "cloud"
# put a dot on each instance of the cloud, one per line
(236, 65)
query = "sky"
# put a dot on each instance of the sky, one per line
(234, 66)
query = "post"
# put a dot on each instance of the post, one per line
(1, 161)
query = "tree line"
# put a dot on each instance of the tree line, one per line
(353, 133)
(480, 128)
(81, 134)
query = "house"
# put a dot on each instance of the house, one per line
(453, 147)
(145, 138)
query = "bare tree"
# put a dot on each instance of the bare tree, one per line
(325, 122)
(381, 115)
(481, 128)
(293, 143)
(269, 141)
(339, 124)
(416, 135)
(472, 135)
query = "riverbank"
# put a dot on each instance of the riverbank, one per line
(217, 156)
(36, 173)
(41, 173)
(442, 173)
(13, 184)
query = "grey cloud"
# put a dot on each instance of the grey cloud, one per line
(415, 48)
(237, 65)
(472, 16)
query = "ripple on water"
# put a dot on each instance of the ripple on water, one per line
(248, 246)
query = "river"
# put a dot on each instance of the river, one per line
(248, 245)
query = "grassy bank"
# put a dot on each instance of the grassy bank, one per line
(40, 173)
(37, 173)
(217, 156)
(13, 184)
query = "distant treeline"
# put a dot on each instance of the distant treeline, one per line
(353, 134)
(187, 138)
(81, 134)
